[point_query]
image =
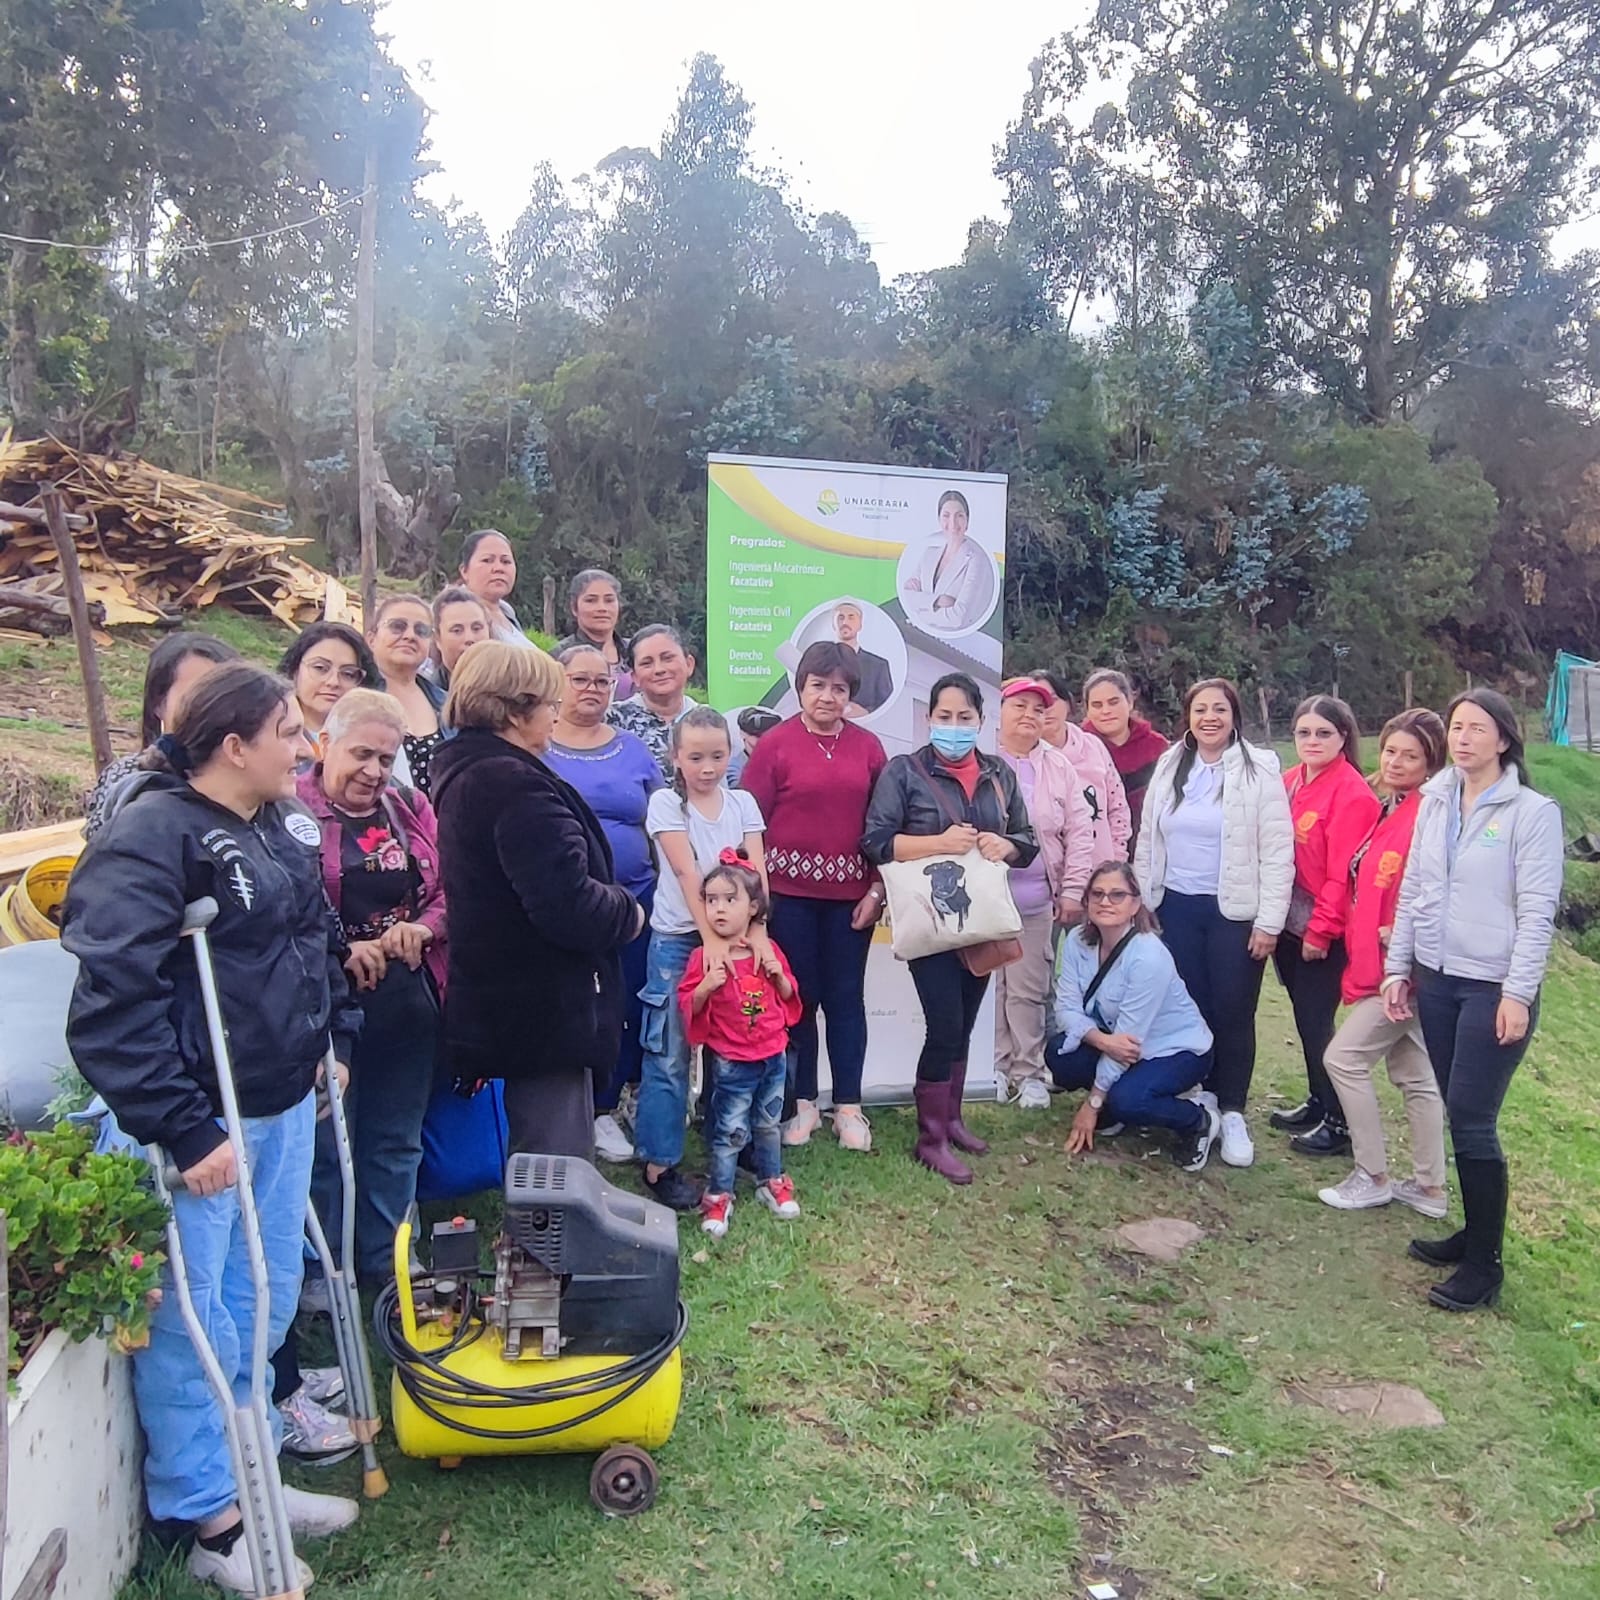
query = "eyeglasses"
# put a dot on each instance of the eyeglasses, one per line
(350, 677)
(1111, 897)
(398, 628)
(589, 683)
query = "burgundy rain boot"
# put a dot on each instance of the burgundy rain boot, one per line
(933, 1133)
(961, 1136)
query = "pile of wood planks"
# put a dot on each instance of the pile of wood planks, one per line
(152, 544)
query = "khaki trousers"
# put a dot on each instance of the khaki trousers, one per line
(1364, 1036)
(1021, 999)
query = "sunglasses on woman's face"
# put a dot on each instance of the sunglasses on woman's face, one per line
(1110, 897)
(398, 628)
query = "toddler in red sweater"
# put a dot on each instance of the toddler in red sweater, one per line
(740, 1010)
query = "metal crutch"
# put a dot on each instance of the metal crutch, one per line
(344, 1297)
(268, 1539)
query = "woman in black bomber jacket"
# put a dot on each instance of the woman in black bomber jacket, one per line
(537, 922)
(946, 799)
(219, 821)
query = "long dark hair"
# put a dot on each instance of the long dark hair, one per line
(1230, 693)
(343, 633)
(1505, 720)
(162, 668)
(1332, 709)
(236, 698)
(1143, 919)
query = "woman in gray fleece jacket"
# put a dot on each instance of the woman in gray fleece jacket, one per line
(1471, 938)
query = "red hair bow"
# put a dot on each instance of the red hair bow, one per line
(733, 858)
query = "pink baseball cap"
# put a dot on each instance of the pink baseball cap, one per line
(1029, 686)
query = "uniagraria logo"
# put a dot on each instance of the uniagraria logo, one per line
(828, 502)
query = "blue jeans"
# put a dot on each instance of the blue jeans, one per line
(188, 1473)
(1213, 958)
(829, 961)
(1473, 1068)
(635, 956)
(1146, 1095)
(746, 1108)
(663, 1106)
(391, 1081)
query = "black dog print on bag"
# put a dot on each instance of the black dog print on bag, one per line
(949, 889)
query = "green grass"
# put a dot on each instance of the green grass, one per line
(916, 1390)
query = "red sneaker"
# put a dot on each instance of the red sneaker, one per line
(714, 1212)
(777, 1195)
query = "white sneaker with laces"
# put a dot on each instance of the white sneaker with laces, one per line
(1033, 1096)
(851, 1128)
(610, 1142)
(1237, 1148)
(318, 1515)
(232, 1571)
(805, 1122)
(312, 1434)
(1411, 1193)
(1359, 1192)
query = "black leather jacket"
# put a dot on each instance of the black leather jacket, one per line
(137, 1028)
(904, 801)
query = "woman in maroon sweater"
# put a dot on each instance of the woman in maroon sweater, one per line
(1134, 744)
(812, 776)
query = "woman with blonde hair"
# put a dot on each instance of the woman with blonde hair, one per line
(537, 918)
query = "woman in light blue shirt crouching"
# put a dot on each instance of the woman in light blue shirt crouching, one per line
(1127, 1030)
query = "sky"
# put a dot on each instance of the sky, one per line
(886, 111)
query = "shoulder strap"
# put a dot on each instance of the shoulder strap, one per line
(941, 799)
(1106, 965)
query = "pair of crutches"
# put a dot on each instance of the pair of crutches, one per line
(268, 1539)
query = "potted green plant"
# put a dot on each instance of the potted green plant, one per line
(84, 1254)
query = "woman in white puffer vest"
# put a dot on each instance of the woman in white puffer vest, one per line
(1216, 854)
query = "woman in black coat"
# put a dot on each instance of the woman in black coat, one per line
(537, 921)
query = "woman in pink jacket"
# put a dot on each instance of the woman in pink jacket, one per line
(1048, 892)
(1091, 759)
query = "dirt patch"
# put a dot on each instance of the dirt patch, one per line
(1381, 1405)
(1128, 1440)
(1160, 1238)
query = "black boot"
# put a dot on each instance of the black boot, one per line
(1446, 1252)
(1476, 1282)
(1328, 1138)
(1302, 1119)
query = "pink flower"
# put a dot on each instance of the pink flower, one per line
(138, 1260)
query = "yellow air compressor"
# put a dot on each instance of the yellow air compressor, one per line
(570, 1344)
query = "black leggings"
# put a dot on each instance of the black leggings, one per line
(950, 997)
(1313, 989)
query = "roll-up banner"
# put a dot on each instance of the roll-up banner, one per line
(907, 566)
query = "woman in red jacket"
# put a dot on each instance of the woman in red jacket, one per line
(1333, 809)
(1135, 746)
(1412, 750)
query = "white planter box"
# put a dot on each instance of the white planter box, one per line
(75, 1453)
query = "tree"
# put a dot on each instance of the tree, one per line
(1362, 173)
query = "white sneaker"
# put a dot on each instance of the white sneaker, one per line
(1359, 1192)
(314, 1297)
(1237, 1149)
(610, 1142)
(312, 1434)
(851, 1128)
(318, 1515)
(1033, 1096)
(232, 1571)
(1411, 1193)
(805, 1122)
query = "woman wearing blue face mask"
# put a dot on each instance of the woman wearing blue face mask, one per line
(909, 818)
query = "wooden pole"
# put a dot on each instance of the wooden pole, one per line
(366, 294)
(550, 605)
(55, 512)
(1409, 700)
(1266, 719)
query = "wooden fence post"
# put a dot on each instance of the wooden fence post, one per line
(1409, 702)
(1266, 718)
(55, 516)
(550, 606)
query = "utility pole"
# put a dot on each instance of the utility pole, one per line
(366, 294)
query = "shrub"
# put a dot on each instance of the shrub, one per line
(84, 1238)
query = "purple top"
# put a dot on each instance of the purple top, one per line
(617, 779)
